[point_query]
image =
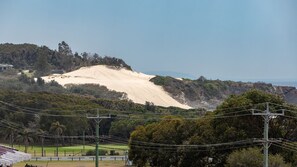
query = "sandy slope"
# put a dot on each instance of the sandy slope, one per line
(137, 85)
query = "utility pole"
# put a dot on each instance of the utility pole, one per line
(98, 119)
(267, 116)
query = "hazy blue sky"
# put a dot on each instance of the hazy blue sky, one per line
(224, 39)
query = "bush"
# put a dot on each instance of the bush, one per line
(253, 157)
(93, 152)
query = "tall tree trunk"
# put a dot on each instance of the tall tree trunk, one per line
(26, 145)
(57, 147)
(42, 149)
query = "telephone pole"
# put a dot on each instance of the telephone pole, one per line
(267, 116)
(98, 119)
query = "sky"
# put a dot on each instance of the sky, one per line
(219, 39)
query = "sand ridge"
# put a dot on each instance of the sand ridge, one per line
(137, 85)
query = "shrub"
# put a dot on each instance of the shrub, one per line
(93, 152)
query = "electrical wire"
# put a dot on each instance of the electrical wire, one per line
(284, 147)
(193, 149)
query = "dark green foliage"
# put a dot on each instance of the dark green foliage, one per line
(25, 79)
(253, 157)
(150, 106)
(46, 103)
(159, 80)
(192, 89)
(96, 90)
(93, 152)
(176, 132)
(43, 60)
(215, 91)
(123, 128)
(112, 152)
(42, 66)
(40, 81)
(210, 130)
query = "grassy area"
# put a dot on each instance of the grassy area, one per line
(71, 150)
(71, 163)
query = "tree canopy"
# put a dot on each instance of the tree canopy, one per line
(210, 139)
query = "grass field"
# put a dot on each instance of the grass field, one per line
(71, 150)
(72, 164)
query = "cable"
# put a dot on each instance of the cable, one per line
(226, 115)
(230, 108)
(37, 109)
(291, 111)
(192, 149)
(286, 116)
(189, 145)
(284, 147)
(43, 114)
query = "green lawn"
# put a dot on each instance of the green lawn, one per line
(71, 150)
(71, 163)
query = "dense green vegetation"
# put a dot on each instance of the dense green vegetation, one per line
(212, 92)
(42, 117)
(165, 143)
(11, 80)
(43, 60)
(253, 157)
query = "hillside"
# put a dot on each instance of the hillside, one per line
(136, 85)
(41, 109)
(167, 91)
(111, 78)
(210, 93)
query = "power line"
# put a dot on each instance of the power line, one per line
(267, 116)
(285, 147)
(182, 149)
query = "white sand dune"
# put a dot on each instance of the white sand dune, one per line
(137, 85)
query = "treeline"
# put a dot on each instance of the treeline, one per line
(43, 60)
(211, 140)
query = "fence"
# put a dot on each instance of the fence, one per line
(80, 158)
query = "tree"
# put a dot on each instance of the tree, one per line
(238, 124)
(66, 55)
(150, 106)
(58, 130)
(25, 79)
(41, 134)
(40, 81)
(65, 49)
(171, 131)
(42, 66)
(25, 136)
(123, 128)
(237, 128)
(253, 157)
(9, 134)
